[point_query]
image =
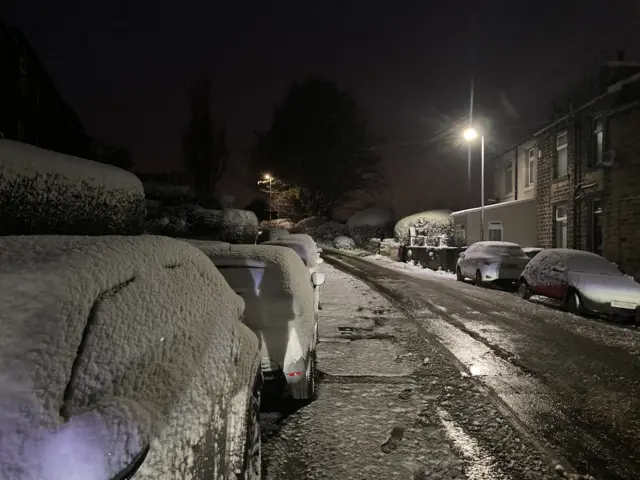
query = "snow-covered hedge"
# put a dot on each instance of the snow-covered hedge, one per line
(44, 192)
(283, 223)
(431, 224)
(328, 231)
(229, 225)
(306, 223)
(344, 243)
(109, 344)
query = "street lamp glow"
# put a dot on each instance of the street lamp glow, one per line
(470, 134)
(267, 176)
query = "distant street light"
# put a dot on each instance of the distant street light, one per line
(470, 135)
(268, 179)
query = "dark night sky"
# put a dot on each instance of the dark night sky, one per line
(125, 66)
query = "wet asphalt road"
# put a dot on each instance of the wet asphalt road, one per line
(574, 382)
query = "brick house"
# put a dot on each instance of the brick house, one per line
(588, 179)
(31, 108)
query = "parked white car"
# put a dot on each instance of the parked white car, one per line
(492, 262)
(123, 357)
(307, 250)
(278, 292)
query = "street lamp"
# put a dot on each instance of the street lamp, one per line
(470, 135)
(269, 179)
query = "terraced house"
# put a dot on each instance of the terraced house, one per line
(588, 178)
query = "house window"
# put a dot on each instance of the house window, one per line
(459, 236)
(562, 158)
(509, 177)
(596, 227)
(598, 141)
(531, 166)
(560, 219)
(495, 231)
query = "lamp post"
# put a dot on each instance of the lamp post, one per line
(470, 134)
(269, 179)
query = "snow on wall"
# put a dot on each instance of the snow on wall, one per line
(44, 192)
(111, 342)
(371, 217)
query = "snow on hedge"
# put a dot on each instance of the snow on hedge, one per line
(371, 217)
(281, 223)
(433, 223)
(309, 222)
(327, 231)
(44, 192)
(229, 225)
(109, 343)
(344, 243)
(277, 290)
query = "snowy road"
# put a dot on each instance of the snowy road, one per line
(574, 382)
(393, 403)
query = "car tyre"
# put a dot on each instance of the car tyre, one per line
(252, 458)
(573, 303)
(459, 276)
(523, 289)
(478, 279)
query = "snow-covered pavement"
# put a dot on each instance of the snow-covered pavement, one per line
(573, 382)
(393, 404)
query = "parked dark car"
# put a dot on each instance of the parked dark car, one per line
(584, 281)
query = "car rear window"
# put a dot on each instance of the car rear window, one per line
(505, 250)
(592, 264)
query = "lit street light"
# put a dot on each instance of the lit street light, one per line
(470, 135)
(268, 179)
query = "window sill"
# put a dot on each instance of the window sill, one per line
(528, 188)
(564, 178)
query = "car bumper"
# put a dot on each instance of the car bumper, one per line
(293, 372)
(505, 274)
(612, 311)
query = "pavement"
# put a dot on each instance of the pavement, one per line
(395, 403)
(572, 382)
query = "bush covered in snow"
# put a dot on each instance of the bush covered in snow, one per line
(430, 224)
(230, 225)
(283, 223)
(344, 243)
(328, 231)
(370, 223)
(306, 223)
(44, 192)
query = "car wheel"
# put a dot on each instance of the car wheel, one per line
(252, 460)
(312, 377)
(459, 276)
(478, 279)
(523, 290)
(573, 303)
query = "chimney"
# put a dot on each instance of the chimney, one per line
(621, 55)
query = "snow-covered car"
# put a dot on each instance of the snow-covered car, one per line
(492, 262)
(123, 357)
(586, 282)
(532, 251)
(278, 293)
(306, 247)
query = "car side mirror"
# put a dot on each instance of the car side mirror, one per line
(320, 260)
(320, 250)
(317, 279)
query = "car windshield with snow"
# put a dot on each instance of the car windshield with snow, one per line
(123, 356)
(584, 281)
(492, 262)
(278, 292)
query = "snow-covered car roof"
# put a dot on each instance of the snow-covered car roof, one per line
(284, 273)
(532, 249)
(495, 244)
(580, 260)
(60, 294)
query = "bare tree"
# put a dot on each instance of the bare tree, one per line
(203, 142)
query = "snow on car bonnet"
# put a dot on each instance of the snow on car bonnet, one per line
(269, 278)
(47, 192)
(89, 331)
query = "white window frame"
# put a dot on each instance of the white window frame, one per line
(509, 177)
(598, 140)
(562, 219)
(561, 149)
(495, 226)
(531, 165)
